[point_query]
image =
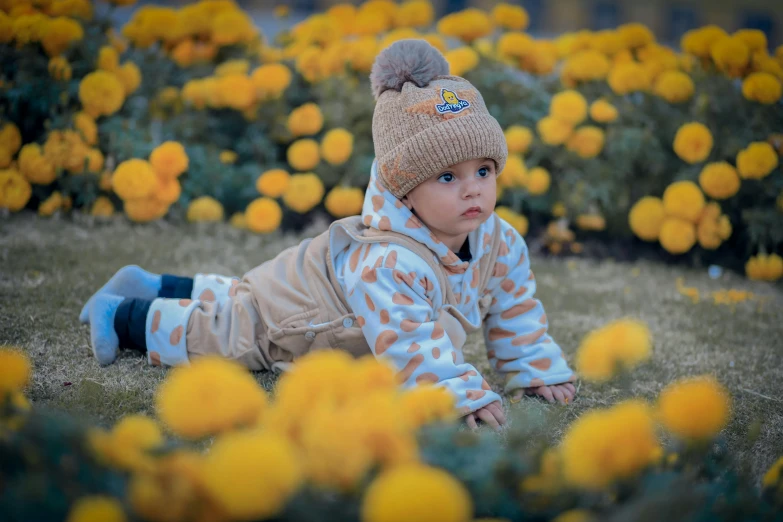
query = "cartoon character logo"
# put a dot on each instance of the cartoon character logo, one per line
(451, 103)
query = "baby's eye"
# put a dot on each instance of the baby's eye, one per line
(483, 172)
(446, 178)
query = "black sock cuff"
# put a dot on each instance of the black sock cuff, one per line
(175, 287)
(130, 323)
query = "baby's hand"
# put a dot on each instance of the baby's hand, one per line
(564, 393)
(492, 414)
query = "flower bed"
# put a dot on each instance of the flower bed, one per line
(191, 113)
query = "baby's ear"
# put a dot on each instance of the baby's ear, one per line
(407, 202)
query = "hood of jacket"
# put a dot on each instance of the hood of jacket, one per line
(382, 210)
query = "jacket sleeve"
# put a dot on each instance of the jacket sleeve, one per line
(515, 329)
(391, 305)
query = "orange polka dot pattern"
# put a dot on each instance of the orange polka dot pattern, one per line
(397, 295)
(167, 319)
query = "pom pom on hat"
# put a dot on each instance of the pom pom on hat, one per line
(409, 60)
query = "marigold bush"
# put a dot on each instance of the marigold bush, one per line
(203, 76)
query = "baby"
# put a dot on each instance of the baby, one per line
(426, 263)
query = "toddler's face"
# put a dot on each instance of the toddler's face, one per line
(456, 200)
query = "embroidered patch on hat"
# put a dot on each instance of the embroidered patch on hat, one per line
(451, 102)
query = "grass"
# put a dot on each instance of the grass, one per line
(50, 267)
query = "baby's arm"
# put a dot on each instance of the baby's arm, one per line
(396, 314)
(515, 330)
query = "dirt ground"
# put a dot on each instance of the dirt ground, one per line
(50, 267)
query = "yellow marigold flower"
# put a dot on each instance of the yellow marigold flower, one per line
(762, 87)
(59, 68)
(231, 27)
(467, 25)
(236, 91)
(271, 80)
(602, 111)
(635, 35)
(130, 77)
(684, 200)
(607, 41)
(370, 22)
(51, 205)
(333, 450)
(228, 157)
(757, 160)
(762, 62)
(436, 41)
(361, 53)
(693, 142)
(337, 146)
(5, 158)
(712, 228)
(72, 8)
(10, 137)
(773, 474)
(144, 209)
(674, 86)
(427, 404)
(518, 139)
(416, 492)
(304, 192)
(241, 466)
(586, 141)
(646, 218)
(461, 60)
(134, 179)
(699, 41)
(594, 222)
(569, 106)
(94, 508)
(183, 53)
(193, 411)
(102, 207)
(15, 369)
(511, 17)
(395, 35)
(517, 221)
(628, 77)
(344, 201)
(59, 34)
(695, 408)
(755, 39)
(719, 180)
(585, 65)
(559, 209)
(240, 66)
(238, 220)
(273, 183)
(764, 267)
(169, 159)
(101, 93)
(205, 209)
(6, 28)
(87, 127)
(604, 445)
(731, 55)
(34, 166)
(305, 120)
(538, 181)
(309, 63)
(677, 236)
(414, 13)
(303, 154)
(108, 59)
(168, 190)
(263, 215)
(554, 131)
(541, 58)
(514, 174)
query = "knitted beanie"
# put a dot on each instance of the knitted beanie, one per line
(426, 120)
